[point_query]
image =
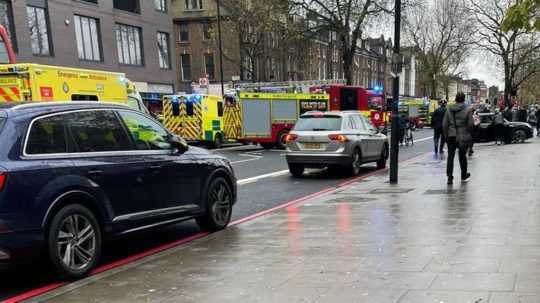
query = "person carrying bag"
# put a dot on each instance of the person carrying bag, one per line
(458, 124)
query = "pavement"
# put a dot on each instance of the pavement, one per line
(419, 241)
(264, 183)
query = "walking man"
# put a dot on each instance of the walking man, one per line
(437, 123)
(457, 127)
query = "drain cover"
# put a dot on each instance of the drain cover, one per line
(350, 200)
(440, 192)
(391, 190)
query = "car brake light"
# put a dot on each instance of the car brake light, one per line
(3, 178)
(338, 138)
(291, 138)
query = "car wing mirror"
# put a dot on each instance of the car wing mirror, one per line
(178, 144)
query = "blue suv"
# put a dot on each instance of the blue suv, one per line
(73, 174)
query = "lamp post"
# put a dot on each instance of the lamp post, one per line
(220, 47)
(396, 70)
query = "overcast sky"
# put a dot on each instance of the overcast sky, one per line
(479, 65)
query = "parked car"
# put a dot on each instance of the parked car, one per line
(514, 132)
(73, 174)
(337, 140)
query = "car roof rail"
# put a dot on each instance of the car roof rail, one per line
(66, 103)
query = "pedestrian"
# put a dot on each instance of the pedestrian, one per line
(537, 120)
(437, 124)
(476, 122)
(403, 125)
(507, 114)
(457, 127)
(498, 127)
(522, 114)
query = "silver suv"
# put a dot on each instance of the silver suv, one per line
(337, 140)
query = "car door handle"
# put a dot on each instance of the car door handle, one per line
(95, 172)
(155, 167)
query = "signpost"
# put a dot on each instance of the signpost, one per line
(396, 70)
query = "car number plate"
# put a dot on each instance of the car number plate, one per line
(312, 145)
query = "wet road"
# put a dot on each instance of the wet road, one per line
(264, 183)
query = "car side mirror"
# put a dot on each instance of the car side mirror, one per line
(178, 144)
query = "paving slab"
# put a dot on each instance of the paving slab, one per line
(420, 241)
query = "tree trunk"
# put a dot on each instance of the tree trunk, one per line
(433, 87)
(348, 59)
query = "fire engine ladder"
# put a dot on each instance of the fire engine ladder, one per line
(307, 83)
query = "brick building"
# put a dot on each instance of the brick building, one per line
(315, 56)
(129, 36)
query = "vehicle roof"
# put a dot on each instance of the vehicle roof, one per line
(21, 108)
(331, 113)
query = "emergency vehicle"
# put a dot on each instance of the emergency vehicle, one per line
(417, 110)
(195, 117)
(371, 103)
(42, 83)
(267, 118)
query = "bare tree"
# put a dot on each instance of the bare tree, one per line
(267, 35)
(347, 18)
(517, 50)
(442, 38)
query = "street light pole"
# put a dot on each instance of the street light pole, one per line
(220, 47)
(396, 69)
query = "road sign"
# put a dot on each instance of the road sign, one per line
(203, 82)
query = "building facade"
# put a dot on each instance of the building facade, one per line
(128, 36)
(195, 43)
(273, 58)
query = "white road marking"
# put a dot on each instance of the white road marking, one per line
(248, 155)
(257, 178)
(424, 139)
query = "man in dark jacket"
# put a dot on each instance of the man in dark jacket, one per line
(457, 128)
(437, 123)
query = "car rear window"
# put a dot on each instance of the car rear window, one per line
(322, 123)
(47, 136)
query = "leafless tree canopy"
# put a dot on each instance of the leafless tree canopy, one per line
(347, 18)
(517, 51)
(266, 30)
(442, 37)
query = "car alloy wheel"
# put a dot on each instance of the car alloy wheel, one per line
(518, 136)
(221, 206)
(219, 200)
(356, 163)
(76, 242)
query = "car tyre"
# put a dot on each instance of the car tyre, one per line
(218, 141)
(519, 136)
(381, 163)
(219, 202)
(296, 170)
(356, 162)
(267, 145)
(74, 241)
(282, 136)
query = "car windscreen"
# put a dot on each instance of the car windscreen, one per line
(315, 123)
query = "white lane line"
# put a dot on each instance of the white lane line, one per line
(424, 139)
(257, 178)
(247, 155)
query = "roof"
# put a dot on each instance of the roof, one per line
(16, 108)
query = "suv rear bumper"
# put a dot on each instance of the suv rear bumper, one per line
(20, 246)
(318, 159)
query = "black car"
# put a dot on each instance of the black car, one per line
(74, 174)
(514, 132)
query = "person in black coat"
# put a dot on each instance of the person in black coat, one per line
(437, 124)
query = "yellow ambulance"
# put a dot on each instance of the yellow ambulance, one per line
(197, 118)
(42, 83)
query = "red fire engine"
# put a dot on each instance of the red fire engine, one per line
(371, 103)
